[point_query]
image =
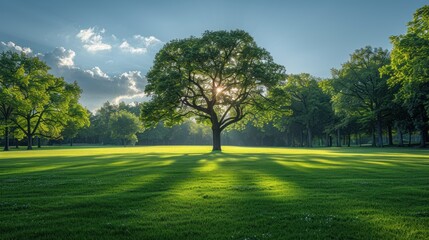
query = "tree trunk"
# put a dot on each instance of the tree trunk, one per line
(355, 139)
(16, 143)
(6, 139)
(338, 138)
(379, 132)
(349, 139)
(216, 138)
(426, 135)
(401, 137)
(359, 140)
(373, 137)
(423, 127)
(423, 138)
(39, 144)
(389, 130)
(409, 138)
(309, 137)
(327, 140)
(286, 139)
(289, 139)
(71, 142)
(29, 142)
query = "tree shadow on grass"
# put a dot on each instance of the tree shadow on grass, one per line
(218, 196)
(250, 211)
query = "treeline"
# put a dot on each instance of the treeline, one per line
(362, 99)
(325, 127)
(375, 98)
(357, 106)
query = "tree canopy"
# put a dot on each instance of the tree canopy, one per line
(359, 90)
(10, 95)
(409, 69)
(304, 104)
(215, 79)
(35, 101)
(124, 126)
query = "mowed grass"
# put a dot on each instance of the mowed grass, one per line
(184, 192)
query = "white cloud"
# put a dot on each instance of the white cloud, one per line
(93, 41)
(147, 41)
(97, 47)
(126, 47)
(85, 35)
(129, 98)
(96, 80)
(99, 87)
(136, 83)
(97, 72)
(60, 57)
(11, 46)
(141, 44)
(67, 59)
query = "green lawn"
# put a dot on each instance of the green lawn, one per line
(178, 192)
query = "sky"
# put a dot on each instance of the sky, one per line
(109, 46)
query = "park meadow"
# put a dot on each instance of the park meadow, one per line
(189, 192)
(214, 140)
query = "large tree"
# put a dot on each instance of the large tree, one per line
(409, 69)
(10, 96)
(360, 91)
(216, 78)
(44, 99)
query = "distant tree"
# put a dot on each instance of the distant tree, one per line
(215, 78)
(133, 108)
(124, 126)
(360, 91)
(78, 119)
(159, 134)
(309, 105)
(99, 130)
(198, 132)
(410, 70)
(90, 134)
(102, 122)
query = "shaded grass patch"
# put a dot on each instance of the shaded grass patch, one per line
(185, 192)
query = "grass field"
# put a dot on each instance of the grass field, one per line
(177, 192)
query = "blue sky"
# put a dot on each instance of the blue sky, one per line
(108, 46)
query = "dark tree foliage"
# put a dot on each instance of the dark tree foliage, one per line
(409, 70)
(359, 90)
